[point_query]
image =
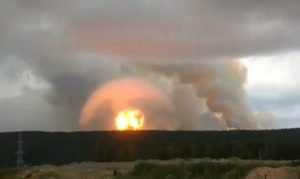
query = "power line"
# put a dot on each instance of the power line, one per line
(20, 152)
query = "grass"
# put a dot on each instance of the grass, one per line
(15, 174)
(209, 170)
(231, 169)
(9, 173)
(183, 171)
(295, 163)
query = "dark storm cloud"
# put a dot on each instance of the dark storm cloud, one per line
(30, 112)
(76, 45)
(194, 29)
(166, 29)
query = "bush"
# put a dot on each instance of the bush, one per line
(9, 173)
(209, 170)
(204, 169)
(295, 163)
(148, 170)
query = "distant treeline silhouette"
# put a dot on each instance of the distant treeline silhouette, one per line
(104, 146)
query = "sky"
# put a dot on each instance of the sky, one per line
(202, 64)
(273, 86)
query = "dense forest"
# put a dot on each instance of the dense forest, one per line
(61, 148)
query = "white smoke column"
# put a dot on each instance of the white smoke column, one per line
(220, 84)
(191, 111)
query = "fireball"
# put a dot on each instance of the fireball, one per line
(129, 120)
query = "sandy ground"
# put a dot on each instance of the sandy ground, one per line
(92, 170)
(87, 170)
(275, 173)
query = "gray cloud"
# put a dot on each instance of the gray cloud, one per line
(31, 112)
(78, 45)
(169, 29)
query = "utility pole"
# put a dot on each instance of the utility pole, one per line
(20, 152)
(260, 155)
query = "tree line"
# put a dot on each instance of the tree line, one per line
(61, 148)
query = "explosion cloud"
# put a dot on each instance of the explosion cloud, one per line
(128, 93)
(201, 95)
(91, 59)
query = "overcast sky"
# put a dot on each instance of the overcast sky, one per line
(273, 85)
(53, 54)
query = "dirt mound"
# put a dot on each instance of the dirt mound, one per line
(87, 170)
(92, 170)
(37, 174)
(275, 173)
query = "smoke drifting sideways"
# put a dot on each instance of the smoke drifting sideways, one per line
(201, 95)
(220, 88)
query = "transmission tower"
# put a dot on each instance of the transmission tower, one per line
(20, 152)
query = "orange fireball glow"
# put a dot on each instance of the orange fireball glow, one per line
(129, 120)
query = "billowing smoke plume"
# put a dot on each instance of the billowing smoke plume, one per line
(203, 95)
(191, 111)
(76, 47)
(219, 85)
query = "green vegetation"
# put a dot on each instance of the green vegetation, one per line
(105, 146)
(9, 173)
(173, 169)
(295, 163)
(199, 170)
(206, 170)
